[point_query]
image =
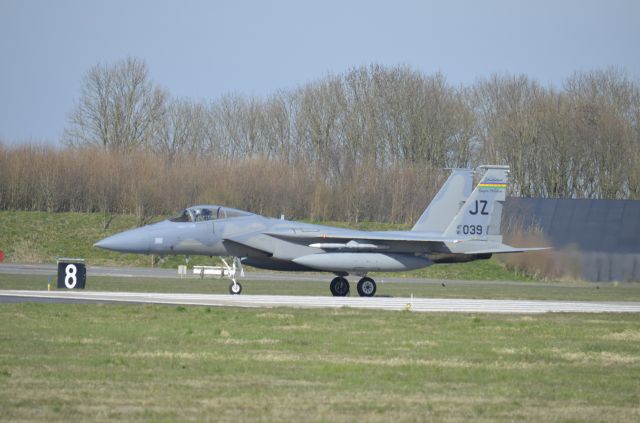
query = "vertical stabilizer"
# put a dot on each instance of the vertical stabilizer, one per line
(447, 202)
(479, 217)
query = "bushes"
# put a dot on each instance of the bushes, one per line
(148, 184)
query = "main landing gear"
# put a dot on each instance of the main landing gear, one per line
(340, 287)
(366, 287)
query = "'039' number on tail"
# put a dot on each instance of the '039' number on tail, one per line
(469, 229)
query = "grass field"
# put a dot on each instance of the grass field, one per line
(73, 362)
(40, 237)
(166, 363)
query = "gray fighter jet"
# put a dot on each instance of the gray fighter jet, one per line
(459, 225)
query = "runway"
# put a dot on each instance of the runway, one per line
(160, 273)
(430, 305)
(253, 275)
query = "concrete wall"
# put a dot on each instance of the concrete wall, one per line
(603, 234)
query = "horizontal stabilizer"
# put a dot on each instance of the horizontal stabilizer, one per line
(503, 249)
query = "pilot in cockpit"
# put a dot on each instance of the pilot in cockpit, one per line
(205, 214)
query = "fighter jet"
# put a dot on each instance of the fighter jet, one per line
(459, 225)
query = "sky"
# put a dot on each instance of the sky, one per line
(204, 49)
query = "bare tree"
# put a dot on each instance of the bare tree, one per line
(369, 144)
(118, 108)
(182, 130)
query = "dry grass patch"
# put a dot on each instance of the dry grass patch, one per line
(601, 358)
(277, 316)
(627, 335)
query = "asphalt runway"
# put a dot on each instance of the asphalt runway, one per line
(146, 272)
(125, 272)
(381, 303)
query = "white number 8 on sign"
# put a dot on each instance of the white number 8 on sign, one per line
(70, 278)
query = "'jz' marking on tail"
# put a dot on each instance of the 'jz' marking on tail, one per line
(477, 209)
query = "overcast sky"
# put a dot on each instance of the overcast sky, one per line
(202, 49)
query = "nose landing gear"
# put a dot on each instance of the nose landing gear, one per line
(234, 288)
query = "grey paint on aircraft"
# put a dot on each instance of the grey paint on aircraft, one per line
(450, 198)
(446, 232)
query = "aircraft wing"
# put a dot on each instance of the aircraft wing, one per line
(381, 240)
(361, 240)
(359, 236)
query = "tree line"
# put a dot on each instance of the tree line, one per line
(370, 143)
(36, 177)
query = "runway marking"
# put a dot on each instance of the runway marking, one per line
(381, 303)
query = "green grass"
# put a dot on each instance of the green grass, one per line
(165, 363)
(432, 289)
(40, 237)
(486, 270)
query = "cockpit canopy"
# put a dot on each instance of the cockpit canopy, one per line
(208, 212)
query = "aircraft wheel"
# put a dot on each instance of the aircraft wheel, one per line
(366, 287)
(339, 287)
(235, 288)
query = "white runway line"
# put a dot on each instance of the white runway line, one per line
(381, 303)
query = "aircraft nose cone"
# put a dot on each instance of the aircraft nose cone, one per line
(133, 241)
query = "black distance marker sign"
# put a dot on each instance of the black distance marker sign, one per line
(71, 275)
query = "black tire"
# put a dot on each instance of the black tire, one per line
(339, 287)
(238, 288)
(366, 287)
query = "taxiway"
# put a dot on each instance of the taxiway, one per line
(382, 303)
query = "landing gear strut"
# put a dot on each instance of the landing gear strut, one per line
(235, 288)
(339, 287)
(366, 287)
